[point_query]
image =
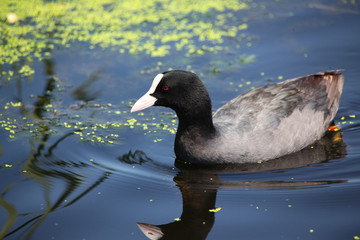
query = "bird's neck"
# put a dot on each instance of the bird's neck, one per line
(200, 118)
(195, 128)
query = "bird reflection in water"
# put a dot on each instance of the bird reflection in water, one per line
(199, 185)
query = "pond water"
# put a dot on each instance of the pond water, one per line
(81, 166)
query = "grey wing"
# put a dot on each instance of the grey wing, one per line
(265, 107)
(259, 109)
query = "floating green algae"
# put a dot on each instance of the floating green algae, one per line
(95, 123)
(31, 30)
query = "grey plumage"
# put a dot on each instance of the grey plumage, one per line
(273, 120)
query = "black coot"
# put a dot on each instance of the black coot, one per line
(262, 124)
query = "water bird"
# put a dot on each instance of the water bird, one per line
(265, 123)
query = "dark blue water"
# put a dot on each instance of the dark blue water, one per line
(56, 184)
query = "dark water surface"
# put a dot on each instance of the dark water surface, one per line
(56, 184)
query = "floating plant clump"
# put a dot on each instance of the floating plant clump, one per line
(96, 123)
(31, 30)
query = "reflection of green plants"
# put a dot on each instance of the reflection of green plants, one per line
(136, 157)
(32, 29)
(45, 173)
(89, 121)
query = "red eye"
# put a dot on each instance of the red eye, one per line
(165, 88)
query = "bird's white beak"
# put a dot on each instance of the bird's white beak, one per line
(144, 102)
(147, 100)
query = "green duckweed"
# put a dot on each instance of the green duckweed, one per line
(31, 30)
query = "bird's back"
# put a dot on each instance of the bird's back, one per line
(279, 119)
